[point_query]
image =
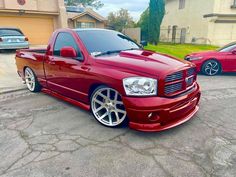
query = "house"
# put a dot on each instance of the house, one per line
(199, 21)
(39, 18)
(79, 17)
(36, 18)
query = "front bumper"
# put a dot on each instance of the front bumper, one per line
(155, 114)
(21, 45)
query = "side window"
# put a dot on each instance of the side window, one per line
(65, 40)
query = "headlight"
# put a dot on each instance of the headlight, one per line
(195, 58)
(140, 86)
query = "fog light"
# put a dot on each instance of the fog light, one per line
(153, 117)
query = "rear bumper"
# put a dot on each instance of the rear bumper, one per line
(22, 45)
(157, 114)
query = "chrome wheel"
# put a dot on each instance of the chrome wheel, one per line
(30, 79)
(212, 68)
(107, 107)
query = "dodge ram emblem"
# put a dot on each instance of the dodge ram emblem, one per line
(188, 81)
(21, 2)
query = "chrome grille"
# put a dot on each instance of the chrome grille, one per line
(179, 82)
(174, 76)
(170, 89)
(190, 71)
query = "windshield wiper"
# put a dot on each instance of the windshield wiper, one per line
(107, 52)
(131, 49)
(114, 51)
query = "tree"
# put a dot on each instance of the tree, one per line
(143, 23)
(156, 14)
(92, 3)
(120, 20)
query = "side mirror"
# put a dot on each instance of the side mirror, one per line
(68, 52)
(144, 43)
(234, 51)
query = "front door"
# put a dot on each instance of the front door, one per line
(65, 75)
(231, 61)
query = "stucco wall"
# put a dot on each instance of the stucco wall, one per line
(1, 4)
(223, 6)
(39, 5)
(191, 18)
(224, 33)
(53, 8)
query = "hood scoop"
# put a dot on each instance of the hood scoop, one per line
(138, 54)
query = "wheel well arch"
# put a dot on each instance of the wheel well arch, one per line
(94, 87)
(24, 68)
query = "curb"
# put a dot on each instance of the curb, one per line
(12, 90)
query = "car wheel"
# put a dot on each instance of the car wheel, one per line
(211, 68)
(31, 80)
(107, 107)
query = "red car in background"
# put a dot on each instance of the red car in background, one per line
(215, 62)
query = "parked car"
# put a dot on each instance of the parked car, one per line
(106, 72)
(13, 38)
(215, 62)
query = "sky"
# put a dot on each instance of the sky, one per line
(135, 7)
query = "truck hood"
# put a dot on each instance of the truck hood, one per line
(142, 61)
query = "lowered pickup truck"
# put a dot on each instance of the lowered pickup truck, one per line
(106, 72)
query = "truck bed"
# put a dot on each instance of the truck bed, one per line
(32, 58)
(41, 50)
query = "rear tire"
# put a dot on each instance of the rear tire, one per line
(32, 81)
(211, 68)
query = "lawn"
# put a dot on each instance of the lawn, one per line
(179, 50)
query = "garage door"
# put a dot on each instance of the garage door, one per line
(224, 33)
(37, 29)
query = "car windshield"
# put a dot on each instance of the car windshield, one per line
(10, 32)
(102, 42)
(228, 48)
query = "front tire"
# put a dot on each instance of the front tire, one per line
(211, 68)
(107, 107)
(31, 80)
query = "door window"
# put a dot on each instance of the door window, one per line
(65, 40)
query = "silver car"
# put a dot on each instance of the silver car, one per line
(13, 38)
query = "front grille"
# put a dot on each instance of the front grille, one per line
(179, 82)
(190, 71)
(174, 77)
(170, 89)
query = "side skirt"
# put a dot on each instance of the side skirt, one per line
(72, 101)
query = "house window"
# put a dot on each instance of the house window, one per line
(181, 4)
(85, 25)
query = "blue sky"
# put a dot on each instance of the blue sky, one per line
(135, 7)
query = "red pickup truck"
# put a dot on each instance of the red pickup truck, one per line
(106, 72)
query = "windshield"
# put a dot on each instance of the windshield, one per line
(100, 42)
(228, 48)
(10, 32)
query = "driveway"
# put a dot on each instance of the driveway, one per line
(42, 136)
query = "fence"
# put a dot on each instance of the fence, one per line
(180, 36)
